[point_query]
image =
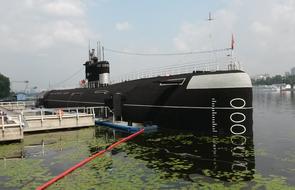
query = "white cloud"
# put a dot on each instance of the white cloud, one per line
(31, 29)
(65, 8)
(123, 26)
(32, 25)
(191, 35)
(261, 28)
(264, 32)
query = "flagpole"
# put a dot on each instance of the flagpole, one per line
(232, 51)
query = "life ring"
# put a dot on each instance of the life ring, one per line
(59, 113)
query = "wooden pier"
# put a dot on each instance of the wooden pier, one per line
(18, 122)
(11, 129)
(13, 106)
(52, 119)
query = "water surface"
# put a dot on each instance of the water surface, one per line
(167, 159)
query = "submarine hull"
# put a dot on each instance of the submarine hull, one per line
(187, 101)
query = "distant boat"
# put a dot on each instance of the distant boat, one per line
(272, 88)
(287, 87)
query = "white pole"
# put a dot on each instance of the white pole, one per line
(2, 120)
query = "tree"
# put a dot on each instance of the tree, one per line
(4, 86)
(278, 79)
(291, 80)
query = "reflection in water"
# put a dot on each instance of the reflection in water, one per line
(39, 145)
(275, 100)
(39, 157)
(186, 154)
(169, 154)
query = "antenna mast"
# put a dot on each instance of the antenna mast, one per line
(89, 51)
(210, 19)
(98, 51)
(102, 53)
(232, 46)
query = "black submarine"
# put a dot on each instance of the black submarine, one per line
(172, 101)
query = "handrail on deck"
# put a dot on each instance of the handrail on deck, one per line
(49, 113)
(227, 63)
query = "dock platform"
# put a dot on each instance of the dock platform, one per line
(11, 129)
(52, 119)
(124, 127)
(13, 106)
(16, 123)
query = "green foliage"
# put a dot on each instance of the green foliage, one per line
(290, 79)
(4, 86)
(130, 165)
(23, 174)
(278, 79)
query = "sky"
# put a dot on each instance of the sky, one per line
(46, 41)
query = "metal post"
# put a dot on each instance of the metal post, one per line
(77, 117)
(43, 148)
(93, 113)
(42, 118)
(20, 121)
(114, 134)
(2, 120)
(59, 113)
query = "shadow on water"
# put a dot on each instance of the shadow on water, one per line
(186, 154)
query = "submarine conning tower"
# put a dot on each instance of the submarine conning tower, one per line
(97, 71)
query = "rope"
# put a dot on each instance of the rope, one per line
(68, 78)
(165, 54)
(83, 162)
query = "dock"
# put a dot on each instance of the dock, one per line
(11, 129)
(127, 127)
(18, 120)
(13, 106)
(52, 119)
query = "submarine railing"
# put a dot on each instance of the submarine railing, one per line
(223, 64)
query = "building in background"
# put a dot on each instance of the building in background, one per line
(260, 76)
(293, 71)
(21, 96)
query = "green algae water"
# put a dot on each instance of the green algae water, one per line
(166, 159)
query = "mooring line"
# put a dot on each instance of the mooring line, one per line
(63, 174)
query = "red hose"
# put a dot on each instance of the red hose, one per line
(63, 174)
